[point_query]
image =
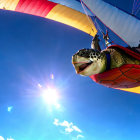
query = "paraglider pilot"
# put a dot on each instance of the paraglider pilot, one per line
(89, 62)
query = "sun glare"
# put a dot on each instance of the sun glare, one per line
(50, 96)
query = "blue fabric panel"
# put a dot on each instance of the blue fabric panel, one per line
(126, 26)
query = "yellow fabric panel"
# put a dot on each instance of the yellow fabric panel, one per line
(134, 90)
(72, 18)
(8, 4)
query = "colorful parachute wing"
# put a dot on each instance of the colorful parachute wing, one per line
(126, 26)
(74, 4)
(53, 11)
(134, 90)
(69, 12)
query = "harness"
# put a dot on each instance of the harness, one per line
(108, 61)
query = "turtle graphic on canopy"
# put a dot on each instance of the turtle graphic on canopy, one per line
(115, 67)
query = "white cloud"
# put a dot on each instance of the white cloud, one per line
(56, 122)
(10, 139)
(1, 138)
(69, 127)
(66, 124)
(76, 129)
(68, 130)
(80, 136)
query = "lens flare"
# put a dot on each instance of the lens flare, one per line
(9, 109)
(51, 97)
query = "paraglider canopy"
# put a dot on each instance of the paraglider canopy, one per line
(54, 11)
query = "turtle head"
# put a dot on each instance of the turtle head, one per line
(87, 62)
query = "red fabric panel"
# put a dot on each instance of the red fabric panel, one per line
(128, 51)
(127, 76)
(35, 7)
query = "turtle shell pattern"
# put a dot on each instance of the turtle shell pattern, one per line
(126, 76)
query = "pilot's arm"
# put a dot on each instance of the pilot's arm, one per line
(95, 43)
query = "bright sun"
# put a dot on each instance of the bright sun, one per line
(50, 96)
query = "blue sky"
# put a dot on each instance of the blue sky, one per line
(35, 54)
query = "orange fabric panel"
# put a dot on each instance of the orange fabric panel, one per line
(134, 90)
(8, 4)
(72, 18)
